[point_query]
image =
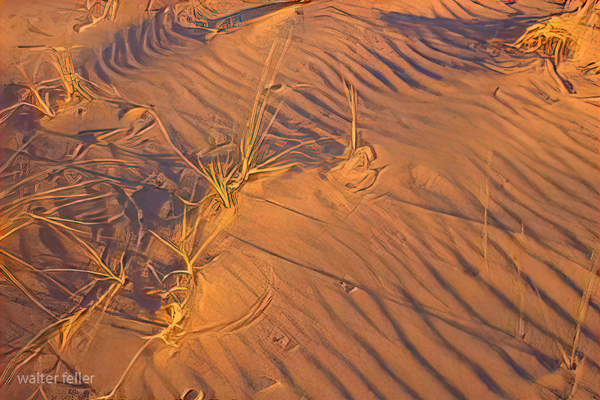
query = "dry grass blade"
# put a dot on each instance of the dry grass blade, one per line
(76, 202)
(584, 306)
(253, 138)
(176, 249)
(52, 221)
(91, 252)
(34, 394)
(41, 104)
(35, 345)
(19, 260)
(19, 151)
(124, 375)
(14, 230)
(55, 170)
(46, 195)
(225, 218)
(175, 314)
(8, 374)
(16, 206)
(169, 140)
(168, 244)
(9, 110)
(110, 11)
(86, 223)
(261, 167)
(174, 317)
(352, 96)
(66, 326)
(72, 82)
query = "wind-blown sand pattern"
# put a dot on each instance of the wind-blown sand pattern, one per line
(379, 199)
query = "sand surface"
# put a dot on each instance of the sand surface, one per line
(445, 257)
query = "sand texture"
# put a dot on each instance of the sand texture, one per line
(375, 199)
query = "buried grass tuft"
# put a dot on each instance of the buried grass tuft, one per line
(72, 85)
(571, 36)
(109, 11)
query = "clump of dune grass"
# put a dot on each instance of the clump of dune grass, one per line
(69, 81)
(254, 137)
(559, 37)
(40, 102)
(219, 176)
(109, 12)
(16, 217)
(553, 39)
(217, 173)
(568, 36)
(225, 177)
(63, 329)
(72, 82)
(355, 172)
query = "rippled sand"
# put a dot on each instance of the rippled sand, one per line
(451, 254)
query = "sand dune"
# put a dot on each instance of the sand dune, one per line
(449, 253)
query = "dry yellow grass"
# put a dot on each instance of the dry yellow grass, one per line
(220, 175)
(108, 12)
(569, 36)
